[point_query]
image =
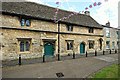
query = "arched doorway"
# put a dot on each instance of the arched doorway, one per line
(82, 48)
(49, 49)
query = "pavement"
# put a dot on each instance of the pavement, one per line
(71, 68)
(49, 59)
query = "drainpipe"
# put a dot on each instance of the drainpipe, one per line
(58, 41)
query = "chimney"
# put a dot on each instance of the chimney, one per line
(87, 13)
(108, 24)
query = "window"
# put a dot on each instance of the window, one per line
(22, 22)
(107, 44)
(69, 45)
(25, 22)
(118, 44)
(113, 45)
(100, 43)
(107, 33)
(69, 27)
(117, 33)
(91, 44)
(24, 45)
(91, 30)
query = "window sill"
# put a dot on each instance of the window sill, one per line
(91, 48)
(25, 52)
(69, 50)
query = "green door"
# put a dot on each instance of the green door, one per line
(48, 49)
(82, 48)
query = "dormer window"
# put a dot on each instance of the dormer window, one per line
(69, 27)
(90, 30)
(25, 22)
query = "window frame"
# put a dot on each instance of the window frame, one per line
(91, 44)
(70, 44)
(69, 27)
(28, 24)
(107, 32)
(113, 45)
(22, 22)
(108, 45)
(91, 30)
(26, 44)
(25, 22)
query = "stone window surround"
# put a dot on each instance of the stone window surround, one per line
(91, 30)
(69, 27)
(22, 39)
(70, 44)
(108, 45)
(25, 21)
(107, 32)
(91, 44)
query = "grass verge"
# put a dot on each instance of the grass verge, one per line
(111, 71)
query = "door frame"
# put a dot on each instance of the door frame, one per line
(52, 43)
(84, 47)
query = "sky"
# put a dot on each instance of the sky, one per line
(107, 11)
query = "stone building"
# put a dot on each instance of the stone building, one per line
(111, 36)
(29, 29)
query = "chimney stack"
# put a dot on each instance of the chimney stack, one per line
(108, 24)
(87, 13)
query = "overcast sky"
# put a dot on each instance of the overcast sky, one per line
(107, 11)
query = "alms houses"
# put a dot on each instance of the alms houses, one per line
(29, 29)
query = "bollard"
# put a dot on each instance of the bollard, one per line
(110, 51)
(73, 55)
(95, 53)
(103, 52)
(115, 51)
(86, 53)
(58, 57)
(19, 59)
(43, 58)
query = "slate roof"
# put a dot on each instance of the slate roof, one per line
(46, 12)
